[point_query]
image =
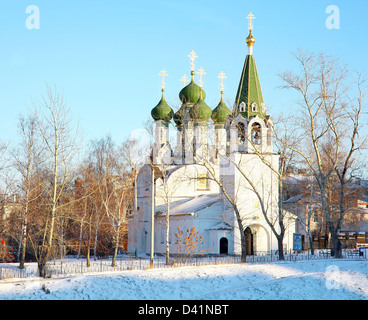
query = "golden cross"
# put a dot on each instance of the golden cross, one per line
(222, 77)
(201, 73)
(251, 17)
(184, 80)
(163, 74)
(192, 56)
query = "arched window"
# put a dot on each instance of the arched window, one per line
(254, 107)
(256, 133)
(241, 133)
(249, 240)
(224, 246)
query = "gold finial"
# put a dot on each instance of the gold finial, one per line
(250, 18)
(222, 76)
(163, 74)
(201, 73)
(192, 56)
(250, 39)
(184, 79)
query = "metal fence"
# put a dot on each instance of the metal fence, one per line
(71, 266)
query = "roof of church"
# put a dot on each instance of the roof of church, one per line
(220, 226)
(191, 93)
(200, 112)
(191, 205)
(162, 111)
(221, 112)
(248, 101)
(249, 90)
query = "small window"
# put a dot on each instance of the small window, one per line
(242, 107)
(254, 107)
(256, 204)
(202, 181)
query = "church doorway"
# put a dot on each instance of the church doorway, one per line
(224, 245)
(249, 240)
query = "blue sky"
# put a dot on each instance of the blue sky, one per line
(105, 56)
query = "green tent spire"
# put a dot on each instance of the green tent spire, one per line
(249, 99)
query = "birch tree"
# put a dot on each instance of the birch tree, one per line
(115, 187)
(26, 158)
(234, 204)
(61, 141)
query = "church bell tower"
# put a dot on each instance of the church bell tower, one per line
(250, 126)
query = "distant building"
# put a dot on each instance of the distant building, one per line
(299, 201)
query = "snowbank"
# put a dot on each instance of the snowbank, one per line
(306, 280)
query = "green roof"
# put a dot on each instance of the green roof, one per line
(162, 111)
(249, 91)
(191, 93)
(200, 112)
(220, 113)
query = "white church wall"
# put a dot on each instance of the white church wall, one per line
(204, 221)
(215, 236)
(265, 182)
(184, 182)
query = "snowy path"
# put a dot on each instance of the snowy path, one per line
(307, 280)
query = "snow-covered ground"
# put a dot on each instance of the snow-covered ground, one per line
(307, 280)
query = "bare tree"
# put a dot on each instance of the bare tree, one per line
(3, 148)
(87, 185)
(27, 159)
(61, 142)
(232, 200)
(265, 199)
(166, 187)
(115, 187)
(329, 124)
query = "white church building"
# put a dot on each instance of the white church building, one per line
(220, 147)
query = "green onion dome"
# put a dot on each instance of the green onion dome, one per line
(162, 111)
(200, 112)
(220, 113)
(190, 93)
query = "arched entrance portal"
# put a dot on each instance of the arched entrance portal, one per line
(224, 245)
(249, 240)
(257, 239)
